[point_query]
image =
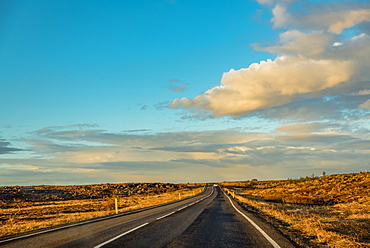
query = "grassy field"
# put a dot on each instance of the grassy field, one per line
(30, 208)
(331, 211)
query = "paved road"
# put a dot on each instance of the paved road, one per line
(207, 220)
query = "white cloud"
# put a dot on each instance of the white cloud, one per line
(349, 19)
(265, 1)
(176, 87)
(330, 17)
(302, 128)
(296, 43)
(365, 105)
(281, 17)
(190, 156)
(360, 36)
(269, 84)
(272, 2)
(364, 92)
(314, 60)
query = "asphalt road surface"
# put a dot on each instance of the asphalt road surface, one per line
(211, 219)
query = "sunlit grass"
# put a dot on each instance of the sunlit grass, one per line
(334, 211)
(20, 217)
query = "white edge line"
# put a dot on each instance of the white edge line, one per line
(182, 208)
(68, 226)
(45, 231)
(165, 215)
(274, 244)
(72, 225)
(185, 206)
(59, 228)
(123, 234)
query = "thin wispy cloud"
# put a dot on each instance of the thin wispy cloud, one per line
(144, 107)
(365, 105)
(176, 86)
(289, 148)
(7, 148)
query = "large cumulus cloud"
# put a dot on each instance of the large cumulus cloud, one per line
(269, 84)
(315, 57)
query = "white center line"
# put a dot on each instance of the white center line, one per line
(165, 215)
(123, 234)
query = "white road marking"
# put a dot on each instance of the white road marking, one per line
(123, 234)
(274, 244)
(72, 225)
(166, 215)
(62, 227)
(50, 230)
(183, 208)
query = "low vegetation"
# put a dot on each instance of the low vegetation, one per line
(331, 211)
(29, 208)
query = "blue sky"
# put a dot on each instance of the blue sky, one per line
(180, 91)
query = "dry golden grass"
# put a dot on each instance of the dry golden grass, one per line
(334, 211)
(19, 217)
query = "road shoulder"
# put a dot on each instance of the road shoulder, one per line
(275, 228)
